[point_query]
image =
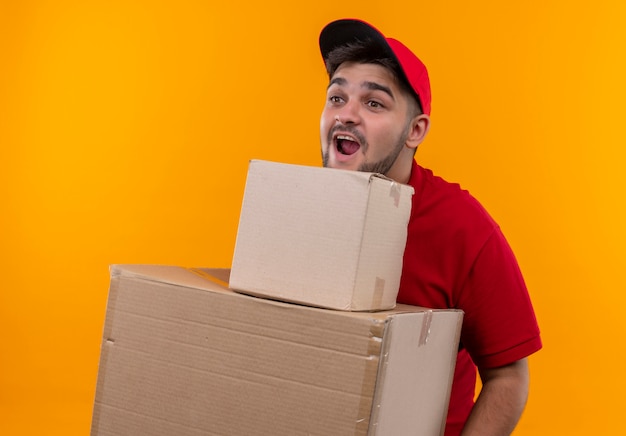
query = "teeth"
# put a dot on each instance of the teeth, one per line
(347, 138)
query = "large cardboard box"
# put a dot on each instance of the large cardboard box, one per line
(319, 236)
(183, 355)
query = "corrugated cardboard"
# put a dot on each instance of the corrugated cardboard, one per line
(183, 355)
(324, 237)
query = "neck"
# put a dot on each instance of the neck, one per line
(401, 169)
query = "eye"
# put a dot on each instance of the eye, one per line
(375, 104)
(335, 99)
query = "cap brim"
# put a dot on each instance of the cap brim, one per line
(342, 32)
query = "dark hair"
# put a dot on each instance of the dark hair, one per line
(365, 53)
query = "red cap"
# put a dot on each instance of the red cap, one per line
(341, 32)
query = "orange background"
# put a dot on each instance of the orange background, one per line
(126, 128)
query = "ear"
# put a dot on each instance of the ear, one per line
(418, 129)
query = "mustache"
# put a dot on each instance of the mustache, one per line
(349, 130)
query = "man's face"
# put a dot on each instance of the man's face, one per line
(365, 121)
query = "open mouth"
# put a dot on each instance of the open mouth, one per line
(346, 145)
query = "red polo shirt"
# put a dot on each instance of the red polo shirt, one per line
(457, 257)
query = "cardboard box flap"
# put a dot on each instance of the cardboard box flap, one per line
(194, 278)
(222, 274)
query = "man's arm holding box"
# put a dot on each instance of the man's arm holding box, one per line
(501, 401)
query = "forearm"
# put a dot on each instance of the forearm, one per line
(501, 401)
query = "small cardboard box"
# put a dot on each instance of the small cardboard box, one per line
(183, 355)
(323, 237)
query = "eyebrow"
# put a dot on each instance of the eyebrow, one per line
(340, 81)
(337, 81)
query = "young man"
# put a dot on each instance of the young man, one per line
(377, 112)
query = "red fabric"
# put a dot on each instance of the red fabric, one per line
(457, 257)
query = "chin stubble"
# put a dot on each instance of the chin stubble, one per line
(384, 166)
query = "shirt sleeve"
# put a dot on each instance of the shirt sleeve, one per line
(500, 326)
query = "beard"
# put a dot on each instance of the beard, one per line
(380, 167)
(384, 165)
